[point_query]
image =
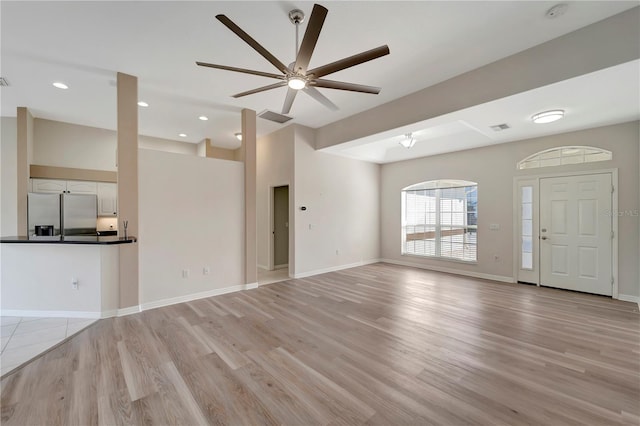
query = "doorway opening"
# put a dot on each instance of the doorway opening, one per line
(278, 268)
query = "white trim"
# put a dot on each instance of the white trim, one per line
(628, 298)
(284, 265)
(195, 296)
(51, 314)
(130, 310)
(335, 268)
(266, 268)
(481, 275)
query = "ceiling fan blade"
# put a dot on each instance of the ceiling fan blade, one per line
(260, 89)
(349, 62)
(246, 71)
(251, 42)
(330, 84)
(288, 101)
(315, 94)
(318, 14)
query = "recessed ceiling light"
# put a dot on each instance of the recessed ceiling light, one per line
(548, 116)
(60, 85)
(143, 104)
(203, 118)
(182, 135)
(238, 135)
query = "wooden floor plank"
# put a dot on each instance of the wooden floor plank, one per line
(377, 345)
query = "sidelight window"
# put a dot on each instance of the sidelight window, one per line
(440, 219)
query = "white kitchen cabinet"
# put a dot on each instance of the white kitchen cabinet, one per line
(56, 186)
(48, 185)
(82, 187)
(107, 199)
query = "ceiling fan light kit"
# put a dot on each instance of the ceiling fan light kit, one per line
(408, 141)
(296, 77)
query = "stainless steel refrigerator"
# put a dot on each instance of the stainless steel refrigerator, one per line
(52, 215)
(79, 214)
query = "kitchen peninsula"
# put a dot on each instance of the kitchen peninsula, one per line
(71, 276)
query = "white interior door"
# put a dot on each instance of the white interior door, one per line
(575, 233)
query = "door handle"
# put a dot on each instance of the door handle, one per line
(543, 238)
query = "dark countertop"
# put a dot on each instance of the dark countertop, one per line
(77, 239)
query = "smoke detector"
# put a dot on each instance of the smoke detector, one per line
(556, 11)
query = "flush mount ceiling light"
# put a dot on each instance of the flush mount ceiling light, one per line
(143, 104)
(548, 116)
(238, 136)
(203, 118)
(408, 141)
(60, 85)
(296, 82)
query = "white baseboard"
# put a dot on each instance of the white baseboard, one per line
(195, 296)
(334, 268)
(454, 271)
(50, 314)
(284, 265)
(128, 311)
(627, 298)
(266, 268)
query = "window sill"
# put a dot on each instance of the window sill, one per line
(445, 259)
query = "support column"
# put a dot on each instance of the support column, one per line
(250, 219)
(128, 186)
(24, 133)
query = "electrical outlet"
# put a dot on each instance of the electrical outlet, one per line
(185, 273)
(206, 270)
(74, 283)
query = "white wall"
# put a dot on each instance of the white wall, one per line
(274, 168)
(8, 176)
(341, 225)
(46, 290)
(191, 217)
(167, 145)
(494, 169)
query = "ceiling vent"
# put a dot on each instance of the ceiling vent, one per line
(3, 82)
(500, 127)
(274, 116)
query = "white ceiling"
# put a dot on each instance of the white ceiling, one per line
(84, 44)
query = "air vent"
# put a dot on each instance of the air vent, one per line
(274, 116)
(3, 82)
(500, 127)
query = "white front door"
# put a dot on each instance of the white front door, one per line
(575, 233)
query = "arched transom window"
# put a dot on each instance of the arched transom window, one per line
(440, 219)
(565, 155)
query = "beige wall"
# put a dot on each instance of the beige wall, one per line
(494, 168)
(191, 217)
(71, 145)
(8, 176)
(274, 168)
(341, 225)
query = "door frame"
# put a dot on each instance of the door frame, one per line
(534, 180)
(270, 218)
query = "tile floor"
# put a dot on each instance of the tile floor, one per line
(270, 277)
(24, 338)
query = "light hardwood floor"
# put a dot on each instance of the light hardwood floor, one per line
(378, 344)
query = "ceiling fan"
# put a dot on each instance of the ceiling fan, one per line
(296, 75)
